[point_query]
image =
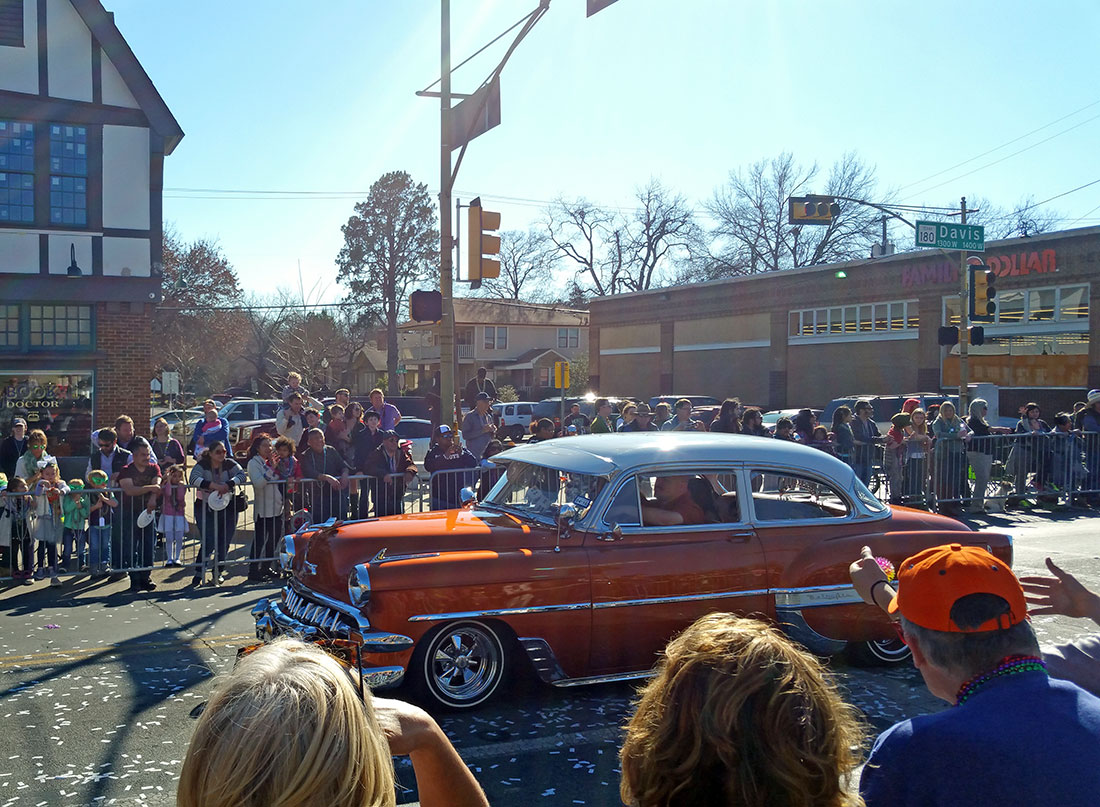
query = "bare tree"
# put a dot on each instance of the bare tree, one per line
(1024, 219)
(753, 233)
(527, 261)
(593, 239)
(663, 229)
(264, 321)
(390, 245)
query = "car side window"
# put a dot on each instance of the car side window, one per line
(780, 496)
(267, 410)
(524, 409)
(625, 509)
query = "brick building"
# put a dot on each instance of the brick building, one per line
(804, 336)
(83, 136)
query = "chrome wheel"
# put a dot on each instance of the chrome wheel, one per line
(463, 664)
(879, 653)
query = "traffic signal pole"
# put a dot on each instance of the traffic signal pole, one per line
(446, 330)
(964, 322)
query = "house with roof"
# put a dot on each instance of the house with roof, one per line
(516, 342)
(83, 137)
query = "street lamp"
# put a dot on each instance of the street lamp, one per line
(73, 270)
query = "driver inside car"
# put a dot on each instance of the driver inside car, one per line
(672, 504)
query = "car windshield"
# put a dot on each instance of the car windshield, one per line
(536, 491)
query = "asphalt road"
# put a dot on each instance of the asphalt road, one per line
(98, 689)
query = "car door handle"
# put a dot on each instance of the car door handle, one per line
(742, 536)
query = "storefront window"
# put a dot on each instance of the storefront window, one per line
(1041, 305)
(1010, 307)
(822, 320)
(58, 403)
(1074, 303)
(882, 317)
(794, 327)
(865, 318)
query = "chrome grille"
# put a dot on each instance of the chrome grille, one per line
(311, 613)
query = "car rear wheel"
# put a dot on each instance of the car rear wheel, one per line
(463, 664)
(879, 653)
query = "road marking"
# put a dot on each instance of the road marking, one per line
(50, 657)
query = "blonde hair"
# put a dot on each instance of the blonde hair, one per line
(286, 728)
(292, 376)
(737, 714)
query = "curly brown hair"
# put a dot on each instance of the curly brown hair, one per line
(738, 714)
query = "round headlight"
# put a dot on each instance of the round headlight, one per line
(359, 585)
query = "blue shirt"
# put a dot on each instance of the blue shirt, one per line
(1024, 739)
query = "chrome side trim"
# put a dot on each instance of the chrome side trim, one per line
(604, 679)
(816, 596)
(377, 561)
(717, 595)
(360, 621)
(531, 609)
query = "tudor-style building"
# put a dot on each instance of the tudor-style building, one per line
(83, 136)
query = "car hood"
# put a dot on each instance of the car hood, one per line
(325, 557)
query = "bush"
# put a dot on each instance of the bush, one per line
(507, 393)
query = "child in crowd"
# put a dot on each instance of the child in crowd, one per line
(819, 439)
(286, 468)
(173, 518)
(74, 510)
(784, 429)
(49, 524)
(101, 505)
(19, 507)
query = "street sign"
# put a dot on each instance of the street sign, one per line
(475, 115)
(968, 237)
(170, 383)
(561, 375)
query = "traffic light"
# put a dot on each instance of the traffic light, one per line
(426, 306)
(948, 335)
(977, 335)
(982, 292)
(480, 241)
(812, 209)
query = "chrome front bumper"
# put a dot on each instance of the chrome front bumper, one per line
(300, 616)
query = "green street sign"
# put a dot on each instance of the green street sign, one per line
(968, 237)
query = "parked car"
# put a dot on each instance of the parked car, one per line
(771, 418)
(556, 569)
(551, 407)
(241, 435)
(417, 434)
(242, 410)
(514, 418)
(886, 406)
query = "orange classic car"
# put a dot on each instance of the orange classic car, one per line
(591, 552)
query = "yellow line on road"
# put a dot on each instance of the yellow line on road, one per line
(27, 659)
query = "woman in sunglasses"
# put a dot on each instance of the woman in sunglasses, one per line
(288, 726)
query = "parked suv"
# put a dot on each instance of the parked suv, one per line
(697, 401)
(241, 410)
(514, 418)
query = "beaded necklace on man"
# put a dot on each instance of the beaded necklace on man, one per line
(1010, 665)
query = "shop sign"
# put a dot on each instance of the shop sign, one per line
(926, 273)
(59, 403)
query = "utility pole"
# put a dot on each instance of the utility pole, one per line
(964, 324)
(446, 329)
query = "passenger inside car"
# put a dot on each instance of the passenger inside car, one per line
(672, 503)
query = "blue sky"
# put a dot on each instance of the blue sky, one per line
(281, 96)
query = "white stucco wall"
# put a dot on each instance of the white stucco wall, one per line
(19, 66)
(126, 177)
(115, 91)
(126, 257)
(59, 252)
(69, 48)
(19, 252)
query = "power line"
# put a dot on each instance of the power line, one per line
(1010, 156)
(998, 148)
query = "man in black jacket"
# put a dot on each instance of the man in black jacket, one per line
(13, 447)
(111, 459)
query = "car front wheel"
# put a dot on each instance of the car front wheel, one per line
(879, 653)
(463, 664)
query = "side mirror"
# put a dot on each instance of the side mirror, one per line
(567, 514)
(467, 496)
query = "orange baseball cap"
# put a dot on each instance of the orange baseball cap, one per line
(930, 583)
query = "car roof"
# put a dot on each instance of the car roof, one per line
(606, 454)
